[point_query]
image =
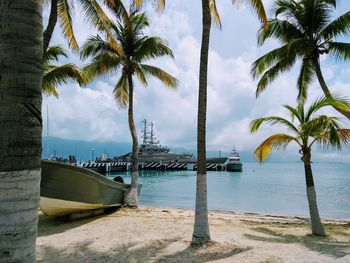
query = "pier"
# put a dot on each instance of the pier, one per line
(125, 166)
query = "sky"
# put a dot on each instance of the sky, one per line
(91, 114)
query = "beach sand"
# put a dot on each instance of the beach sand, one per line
(164, 235)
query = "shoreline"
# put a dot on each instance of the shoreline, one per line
(151, 234)
(326, 220)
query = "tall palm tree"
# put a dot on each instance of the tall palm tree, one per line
(306, 32)
(135, 50)
(201, 233)
(310, 129)
(54, 75)
(21, 124)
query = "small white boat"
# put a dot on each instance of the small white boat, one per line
(67, 189)
(233, 163)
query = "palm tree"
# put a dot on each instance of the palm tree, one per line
(135, 49)
(201, 233)
(21, 125)
(311, 129)
(54, 75)
(306, 32)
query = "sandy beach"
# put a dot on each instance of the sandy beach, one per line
(164, 235)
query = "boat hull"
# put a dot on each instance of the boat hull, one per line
(67, 189)
(234, 167)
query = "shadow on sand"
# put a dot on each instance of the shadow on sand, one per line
(49, 225)
(152, 251)
(324, 245)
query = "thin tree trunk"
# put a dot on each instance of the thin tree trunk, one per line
(201, 232)
(21, 126)
(316, 224)
(324, 86)
(50, 26)
(131, 199)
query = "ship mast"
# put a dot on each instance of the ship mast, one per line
(144, 132)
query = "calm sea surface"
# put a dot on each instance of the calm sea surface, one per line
(271, 188)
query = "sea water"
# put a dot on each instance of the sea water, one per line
(270, 188)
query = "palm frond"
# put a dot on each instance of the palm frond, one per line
(95, 14)
(55, 76)
(339, 50)
(151, 47)
(273, 72)
(104, 63)
(64, 11)
(214, 13)
(160, 74)
(258, 8)
(93, 46)
(282, 30)
(140, 75)
(121, 92)
(335, 101)
(49, 90)
(294, 113)
(53, 53)
(306, 76)
(269, 59)
(338, 27)
(255, 124)
(158, 4)
(276, 141)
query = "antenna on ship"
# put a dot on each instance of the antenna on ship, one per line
(144, 131)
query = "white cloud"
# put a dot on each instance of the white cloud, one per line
(92, 114)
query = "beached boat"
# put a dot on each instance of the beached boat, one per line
(68, 189)
(233, 163)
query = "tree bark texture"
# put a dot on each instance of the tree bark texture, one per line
(201, 232)
(324, 87)
(21, 52)
(316, 224)
(131, 199)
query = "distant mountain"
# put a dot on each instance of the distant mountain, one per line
(83, 150)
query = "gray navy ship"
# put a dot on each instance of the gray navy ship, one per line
(151, 150)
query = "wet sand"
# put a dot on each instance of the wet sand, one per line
(164, 235)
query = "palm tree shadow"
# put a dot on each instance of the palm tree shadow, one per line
(205, 253)
(323, 245)
(49, 225)
(138, 252)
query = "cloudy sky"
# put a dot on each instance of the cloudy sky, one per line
(91, 114)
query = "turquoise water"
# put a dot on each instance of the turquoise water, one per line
(271, 188)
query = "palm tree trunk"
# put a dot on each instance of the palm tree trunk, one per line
(131, 199)
(324, 86)
(316, 224)
(51, 25)
(201, 232)
(20, 133)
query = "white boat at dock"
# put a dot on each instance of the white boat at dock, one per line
(233, 163)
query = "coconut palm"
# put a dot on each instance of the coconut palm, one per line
(21, 124)
(135, 50)
(201, 233)
(54, 75)
(310, 129)
(306, 32)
